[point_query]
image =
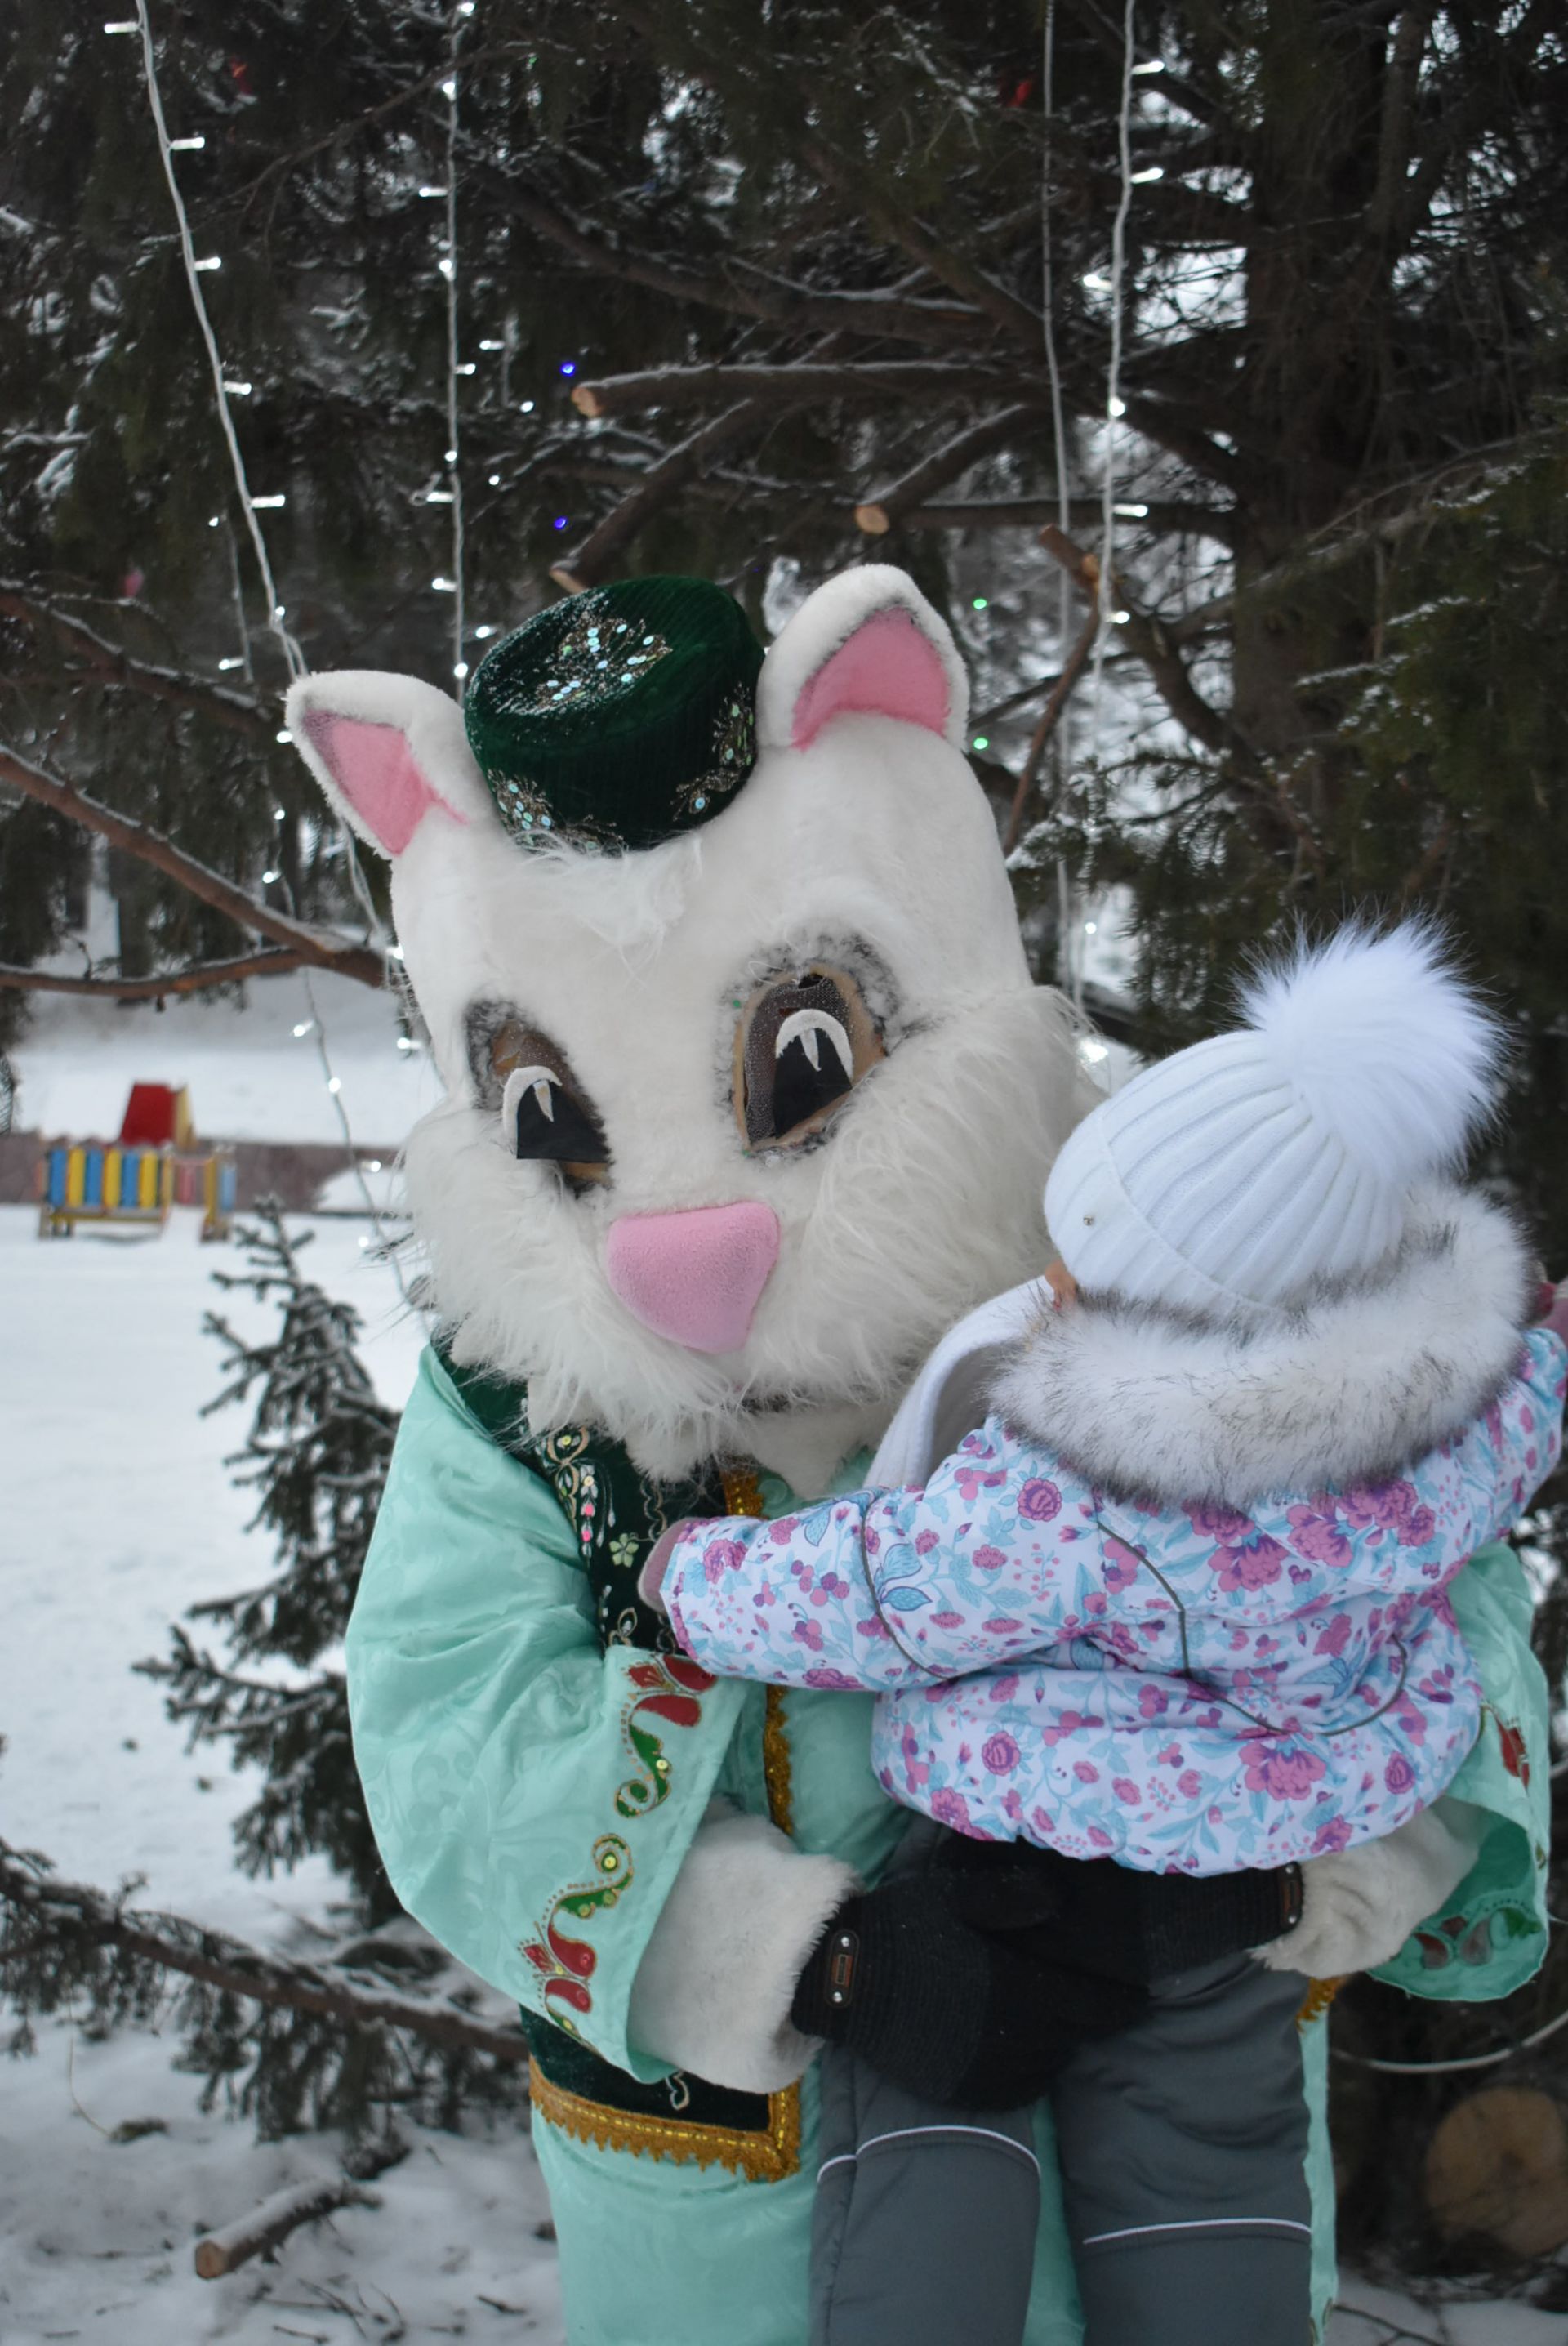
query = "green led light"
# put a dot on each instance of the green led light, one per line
(982, 740)
(978, 603)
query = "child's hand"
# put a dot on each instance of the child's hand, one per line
(650, 1579)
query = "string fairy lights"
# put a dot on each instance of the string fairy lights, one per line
(226, 387)
(1072, 930)
(455, 368)
(1068, 958)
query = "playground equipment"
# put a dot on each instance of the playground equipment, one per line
(154, 1166)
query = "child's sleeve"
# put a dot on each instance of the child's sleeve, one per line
(1368, 1541)
(1510, 1451)
(991, 1560)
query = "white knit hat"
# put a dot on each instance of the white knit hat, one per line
(1241, 1170)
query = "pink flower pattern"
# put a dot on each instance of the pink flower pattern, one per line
(1195, 1689)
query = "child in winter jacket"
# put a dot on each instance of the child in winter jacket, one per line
(1177, 1603)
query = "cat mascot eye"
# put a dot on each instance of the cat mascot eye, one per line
(544, 1113)
(802, 1043)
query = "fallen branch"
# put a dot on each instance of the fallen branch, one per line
(194, 980)
(225, 2251)
(321, 947)
(70, 1909)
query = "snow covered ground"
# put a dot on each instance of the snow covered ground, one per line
(118, 1514)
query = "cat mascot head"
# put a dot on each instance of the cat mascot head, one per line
(748, 1092)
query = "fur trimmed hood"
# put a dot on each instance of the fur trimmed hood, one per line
(1354, 1384)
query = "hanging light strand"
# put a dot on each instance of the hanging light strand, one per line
(1068, 959)
(293, 655)
(1115, 407)
(460, 16)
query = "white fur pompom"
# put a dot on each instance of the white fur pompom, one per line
(1390, 1050)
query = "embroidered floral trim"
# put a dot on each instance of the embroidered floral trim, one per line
(670, 1686)
(566, 1964)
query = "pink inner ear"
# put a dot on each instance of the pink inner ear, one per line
(889, 667)
(374, 767)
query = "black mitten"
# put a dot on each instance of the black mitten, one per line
(1093, 1915)
(958, 2014)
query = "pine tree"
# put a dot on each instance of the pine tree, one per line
(316, 1456)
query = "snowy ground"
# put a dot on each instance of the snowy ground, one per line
(118, 1514)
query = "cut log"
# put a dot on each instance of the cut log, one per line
(1498, 2166)
(217, 2253)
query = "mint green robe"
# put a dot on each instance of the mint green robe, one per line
(491, 1737)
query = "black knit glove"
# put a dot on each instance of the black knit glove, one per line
(974, 2018)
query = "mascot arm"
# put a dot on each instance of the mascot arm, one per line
(534, 1798)
(713, 1991)
(1453, 1905)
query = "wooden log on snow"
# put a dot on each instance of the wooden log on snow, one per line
(1498, 2166)
(217, 2253)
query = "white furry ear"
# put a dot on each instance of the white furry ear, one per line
(386, 750)
(1390, 1050)
(867, 640)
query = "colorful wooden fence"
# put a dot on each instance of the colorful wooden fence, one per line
(104, 1181)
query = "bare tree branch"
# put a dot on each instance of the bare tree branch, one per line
(1165, 517)
(1072, 667)
(322, 948)
(1148, 642)
(592, 559)
(891, 219)
(787, 385)
(195, 979)
(112, 665)
(898, 318)
(877, 515)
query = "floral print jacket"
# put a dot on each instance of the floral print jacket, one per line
(1191, 1689)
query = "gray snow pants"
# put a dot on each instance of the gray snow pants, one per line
(1183, 2152)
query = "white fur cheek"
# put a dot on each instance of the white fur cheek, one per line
(515, 1261)
(928, 1200)
(925, 1201)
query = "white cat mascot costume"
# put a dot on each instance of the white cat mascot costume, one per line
(750, 1100)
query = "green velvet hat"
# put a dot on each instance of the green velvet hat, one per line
(620, 716)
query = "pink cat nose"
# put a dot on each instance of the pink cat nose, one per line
(696, 1276)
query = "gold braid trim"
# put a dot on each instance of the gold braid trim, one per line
(764, 2157)
(1320, 1995)
(776, 1771)
(743, 1496)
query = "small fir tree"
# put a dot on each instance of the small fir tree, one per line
(317, 1456)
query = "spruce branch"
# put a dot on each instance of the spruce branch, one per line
(78, 1926)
